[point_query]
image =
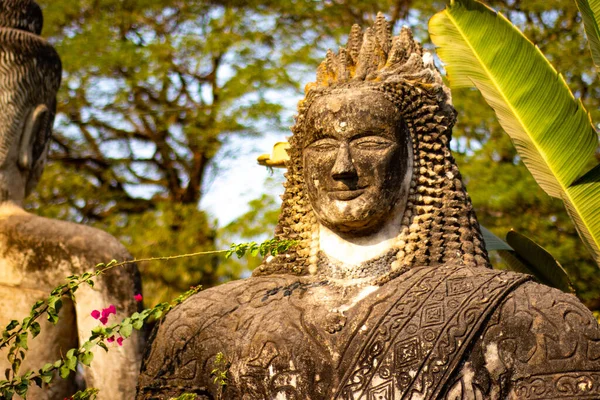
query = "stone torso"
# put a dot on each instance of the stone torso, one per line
(430, 334)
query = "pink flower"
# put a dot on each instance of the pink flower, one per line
(110, 339)
(138, 297)
(104, 320)
(120, 341)
(108, 310)
(95, 314)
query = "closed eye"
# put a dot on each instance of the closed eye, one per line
(326, 144)
(372, 143)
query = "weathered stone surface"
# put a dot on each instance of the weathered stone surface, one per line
(389, 294)
(37, 254)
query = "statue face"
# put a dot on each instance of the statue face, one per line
(357, 160)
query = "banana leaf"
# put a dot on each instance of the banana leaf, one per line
(590, 13)
(493, 242)
(552, 132)
(522, 254)
(530, 258)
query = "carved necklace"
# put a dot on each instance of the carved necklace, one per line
(366, 273)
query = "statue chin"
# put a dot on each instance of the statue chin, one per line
(346, 223)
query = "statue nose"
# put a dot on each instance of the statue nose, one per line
(343, 167)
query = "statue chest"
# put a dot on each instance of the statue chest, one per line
(297, 339)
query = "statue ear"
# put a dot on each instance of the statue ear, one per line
(33, 126)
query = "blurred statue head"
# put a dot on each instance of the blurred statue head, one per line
(30, 75)
(371, 142)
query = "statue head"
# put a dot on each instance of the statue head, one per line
(371, 141)
(30, 75)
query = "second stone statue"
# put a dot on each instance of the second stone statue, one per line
(37, 254)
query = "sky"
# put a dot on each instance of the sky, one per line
(240, 178)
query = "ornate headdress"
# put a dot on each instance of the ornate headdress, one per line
(30, 72)
(439, 225)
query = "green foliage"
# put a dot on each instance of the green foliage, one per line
(504, 194)
(269, 247)
(220, 370)
(529, 258)
(590, 12)
(87, 394)
(483, 49)
(219, 373)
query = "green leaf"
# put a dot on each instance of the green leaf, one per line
(71, 362)
(590, 13)
(12, 325)
(16, 364)
(35, 329)
(493, 242)
(22, 340)
(64, 372)
(551, 131)
(86, 358)
(582, 201)
(138, 323)
(47, 378)
(52, 316)
(531, 258)
(125, 330)
(88, 345)
(37, 380)
(21, 388)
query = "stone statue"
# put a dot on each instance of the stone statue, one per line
(37, 254)
(389, 293)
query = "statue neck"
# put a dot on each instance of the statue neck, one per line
(12, 188)
(357, 250)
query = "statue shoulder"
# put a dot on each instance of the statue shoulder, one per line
(60, 239)
(218, 301)
(539, 343)
(541, 332)
(546, 309)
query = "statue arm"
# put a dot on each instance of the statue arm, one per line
(114, 372)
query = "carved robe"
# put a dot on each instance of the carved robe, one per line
(432, 333)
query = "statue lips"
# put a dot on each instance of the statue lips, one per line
(345, 195)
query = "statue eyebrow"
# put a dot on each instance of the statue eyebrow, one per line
(320, 134)
(368, 132)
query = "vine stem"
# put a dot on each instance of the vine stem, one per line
(107, 267)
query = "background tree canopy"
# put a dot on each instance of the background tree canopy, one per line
(154, 91)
